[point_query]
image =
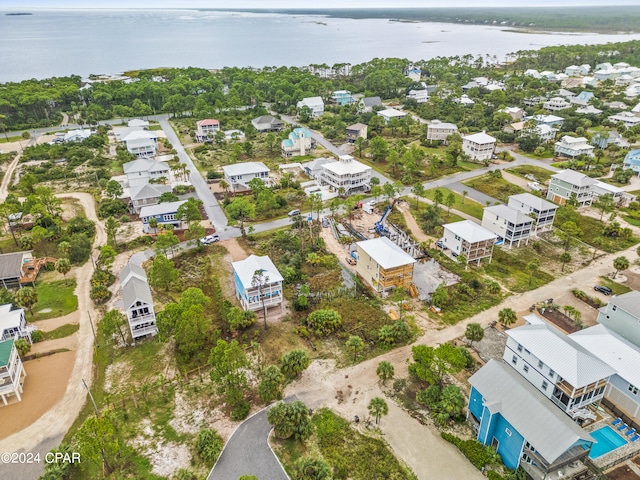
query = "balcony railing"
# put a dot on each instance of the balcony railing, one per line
(140, 319)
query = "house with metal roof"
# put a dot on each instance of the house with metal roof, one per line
(573, 146)
(138, 302)
(561, 369)
(315, 104)
(164, 213)
(342, 97)
(239, 175)
(314, 167)
(77, 135)
(299, 143)
(267, 123)
(420, 96)
(383, 265)
(622, 393)
(542, 211)
(206, 129)
(347, 173)
(469, 239)
(550, 120)
(12, 372)
(479, 146)
(628, 119)
(19, 268)
(632, 160)
(366, 104)
(391, 113)
(138, 123)
(622, 315)
(141, 143)
(13, 323)
(438, 131)
(355, 131)
(525, 428)
(139, 172)
(147, 194)
(556, 103)
(507, 223)
(583, 98)
(569, 185)
(249, 292)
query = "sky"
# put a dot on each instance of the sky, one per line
(297, 4)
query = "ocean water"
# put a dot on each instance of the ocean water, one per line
(64, 42)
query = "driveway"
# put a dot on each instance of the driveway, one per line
(248, 452)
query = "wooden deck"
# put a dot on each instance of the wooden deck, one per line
(32, 268)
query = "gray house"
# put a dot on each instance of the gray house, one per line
(137, 301)
(542, 211)
(366, 104)
(148, 194)
(567, 184)
(267, 123)
(622, 315)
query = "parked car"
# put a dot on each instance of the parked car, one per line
(294, 213)
(325, 222)
(209, 239)
(351, 260)
(441, 244)
(602, 289)
(454, 254)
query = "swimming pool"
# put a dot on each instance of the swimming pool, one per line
(607, 439)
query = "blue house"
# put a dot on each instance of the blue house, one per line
(632, 161)
(342, 97)
(251, 296)
(526, 429)
(164, 213)
(583, 98)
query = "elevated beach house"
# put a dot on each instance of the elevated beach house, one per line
(383, 265)
(138, 302)
(12, 372)
(251, 294)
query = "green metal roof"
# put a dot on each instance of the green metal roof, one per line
(5, 351)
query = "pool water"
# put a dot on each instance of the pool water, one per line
(607, 440)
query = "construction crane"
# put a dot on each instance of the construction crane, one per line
(380, 227)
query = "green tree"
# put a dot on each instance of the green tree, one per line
(260, 281)
(385, 371)
(378, 407)
(449, 200)
(107, 257)
(294, 362)
(64, 248)
(194, 233)
(22, 346)
(464, 195)
(474, 332)
(419, 191)
(6, 210)
(99, 294)
(97, 441)
(532, 267)
(568, 231)
(605, 204)
(360, 144)
(153, 223)
(323, 322)
(241, 209)
(163, 272)
(308, 468)
(433, 364)
(620, 263)
(270, 385)
(440, 297)
(228, 364)
(507, 317)
(290, 420)
(63, 266)
(112, 323)
(26, 297)
(209, 444)
(167, 197)
(113, 189)
(189, 212)
(112, 226)
(356, 343)
(379, 148)
(565, 258)
(167, 240)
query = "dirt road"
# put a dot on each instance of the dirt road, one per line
(46, 431)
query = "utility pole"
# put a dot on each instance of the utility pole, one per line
(95, 407)
(95, 339)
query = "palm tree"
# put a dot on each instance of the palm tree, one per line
(464, 195)
(153, 223)
(474, 333)
(356, 343)
(507, 317)
(26, 297)
(63, 266)
(385, 371)
(378, 407)
(620, 263)
(533, 268)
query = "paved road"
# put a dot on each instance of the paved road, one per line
(248, 453)
(472, 193)
(211, 206)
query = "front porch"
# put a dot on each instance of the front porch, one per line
(569, 465)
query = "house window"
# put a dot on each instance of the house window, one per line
(540, 364)
(507, 431)
(526, 368)
(633, 389)
(545, 385)
(614, 307)
(519, 348)
(551, 373)
(514, 360)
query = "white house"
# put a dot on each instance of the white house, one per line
(573, 146)
(13, 323)
(137, 301)
(556, 103)
(420, 96)
(366, 104)
(249, 294)
(589, 110)
(12, 372)
(77, 135)
(516, 113)
(479, 146)
(559, 367)
(628, 119)
(206, 129)
(140, 172)
(299, 143)
(622, 315)
(315, 104)
(569, 184)
(632, 160)
(141, 143)
(390, 113)
(347, 173)
(551, 120)
(147, 194)
(438, 131)
(267, 123)
(464, 100)
(314, 167)
(239, 175)
(508, 223)
(469, 239)
(138, 122)
(543, 212)
(383, 265)
(164, 213)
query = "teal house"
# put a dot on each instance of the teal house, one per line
(632, 161)
(523, 425)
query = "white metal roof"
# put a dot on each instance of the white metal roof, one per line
(511, 214)
(608, 187)
(534, 202)
(132, 270)
(245, 269)
(245, 168)
(160, 209)
(439, 124)
(470, 231)
(568, 358)
(346, 165)
(481, 138)
(140, 135)
(136, 289)
(573, 177)
(391, 112)
(311, 102)
(149, 190)
(629, 302)
(541, 423)
(386, 253)
(620, 354)
(145, 165)
(138, 122)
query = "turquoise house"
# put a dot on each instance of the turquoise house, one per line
(342, 97)
(632, 161)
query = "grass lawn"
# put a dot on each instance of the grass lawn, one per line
(494, 186)
(62, 331)
(470, 207)
(155, 127)
(349, 453)
(616, 288)
(631, 220)
(541, 175)
(4, 139)
(511, 271)
(55, 299)
(546, 154)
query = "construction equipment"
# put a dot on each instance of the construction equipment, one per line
(381, 229)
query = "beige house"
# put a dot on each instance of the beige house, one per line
(438, 131)
(355, 131)
(479, 146)
(383, 265)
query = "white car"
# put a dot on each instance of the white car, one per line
(209, 239)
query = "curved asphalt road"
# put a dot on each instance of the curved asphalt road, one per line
(248, 453)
